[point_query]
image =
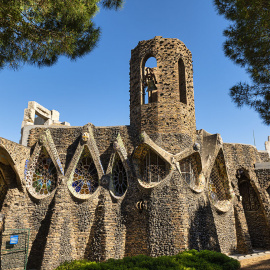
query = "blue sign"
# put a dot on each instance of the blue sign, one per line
(14, 239)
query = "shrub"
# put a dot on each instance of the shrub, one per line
(187, 260)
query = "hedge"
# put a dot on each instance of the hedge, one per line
(187, 260)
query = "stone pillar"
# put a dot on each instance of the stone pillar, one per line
(60, 245)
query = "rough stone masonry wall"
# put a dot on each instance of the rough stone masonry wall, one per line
(252, 226)
(102, 226)
(168, 114)
(173, 217)
(65, 139)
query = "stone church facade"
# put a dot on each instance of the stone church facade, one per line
(157, 186)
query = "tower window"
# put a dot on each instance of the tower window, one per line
(149, 81)
(182, 81)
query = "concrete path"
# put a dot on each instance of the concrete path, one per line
(258, 260)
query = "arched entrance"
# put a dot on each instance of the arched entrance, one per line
(256, 221)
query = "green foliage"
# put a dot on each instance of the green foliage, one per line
(187, 260)
(39, 31)
(248, 44)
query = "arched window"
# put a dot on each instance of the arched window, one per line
(85, 178)
(119, 177)
(153, 168)
(190, 170)
(44, 174)
(3, 189)
(250, 199)
(182, 81)
(149, 70)
(254, 211)
(218, 182)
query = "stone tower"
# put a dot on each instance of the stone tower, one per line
(170, 107)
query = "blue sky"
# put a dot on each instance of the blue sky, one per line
(95, 88)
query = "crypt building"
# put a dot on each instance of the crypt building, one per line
(156, 187)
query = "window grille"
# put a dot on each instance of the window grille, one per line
(153, 167)
(85, 178)
(44, 174)
(119, 177)
(189, 170)
(218, 182)
(3, 189)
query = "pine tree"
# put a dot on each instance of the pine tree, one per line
(248, 44)
(39, 31)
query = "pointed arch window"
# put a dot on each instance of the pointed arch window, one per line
(182, 81)
(250, 199)
(218, 182)
(85, 177)
(190, 168)
(153, 168)
(44, 177)
(119, 177)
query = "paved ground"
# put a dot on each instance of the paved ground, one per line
(259, 260)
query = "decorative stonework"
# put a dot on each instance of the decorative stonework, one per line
(85, 169)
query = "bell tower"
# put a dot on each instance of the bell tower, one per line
(168, 88)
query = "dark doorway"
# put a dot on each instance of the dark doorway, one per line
(253, 209)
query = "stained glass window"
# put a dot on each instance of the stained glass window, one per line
(3, 189)
(85, 178)
(218, 182)
(45, 174)
(119, 177)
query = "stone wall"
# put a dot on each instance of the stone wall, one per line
(252, 201)
(161, 219)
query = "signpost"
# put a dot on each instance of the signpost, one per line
(14, 239)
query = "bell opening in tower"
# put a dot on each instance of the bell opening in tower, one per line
(149, 81)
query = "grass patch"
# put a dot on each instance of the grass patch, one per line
(187, 260)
